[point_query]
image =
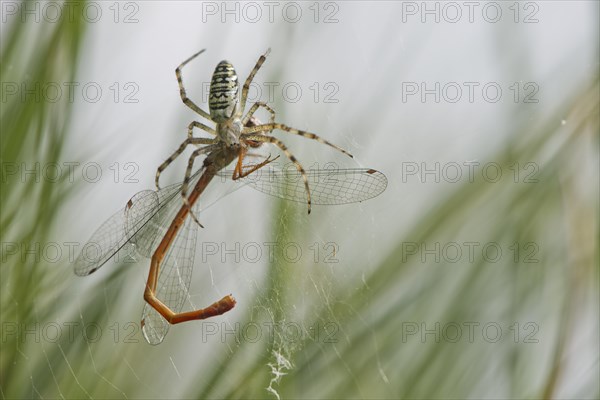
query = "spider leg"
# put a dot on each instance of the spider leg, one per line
(288, 154)
(200, 125)
(186, 142)
(246, 86)
(187, 101)
(251, 120)
(255, 107)
(293, 131)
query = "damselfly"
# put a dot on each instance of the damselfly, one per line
(160, 227)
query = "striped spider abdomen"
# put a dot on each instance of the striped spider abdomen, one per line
(223, 96)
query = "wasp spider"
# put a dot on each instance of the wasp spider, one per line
(232, 127)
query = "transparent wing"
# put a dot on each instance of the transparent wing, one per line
(327, 186)
(143, 223)
(140, 223)
(146, 218)
(104, 243)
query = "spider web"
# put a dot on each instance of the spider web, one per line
(308, 308)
